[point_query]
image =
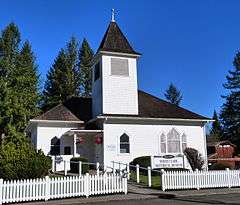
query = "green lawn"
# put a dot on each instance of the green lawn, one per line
(144, 180)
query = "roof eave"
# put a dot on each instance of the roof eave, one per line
(154, 119)
(58, 121)
(135, 55)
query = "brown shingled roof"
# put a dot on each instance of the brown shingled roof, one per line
(115, 41)
(79, 108)
(60, 113)
(153, 107)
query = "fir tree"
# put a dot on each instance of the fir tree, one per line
(63, 78)
(173, 95)
(54, 92)
(18, 83)
(230, 113)
(9, 48)
(216, 130)
(27, 80)
(85, 58)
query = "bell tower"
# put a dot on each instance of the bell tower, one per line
(114, 75)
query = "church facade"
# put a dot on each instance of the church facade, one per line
(119, 122)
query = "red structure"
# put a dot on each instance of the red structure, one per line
(223, 153)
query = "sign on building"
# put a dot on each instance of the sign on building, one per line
(167, 161)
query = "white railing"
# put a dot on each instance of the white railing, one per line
(60, 187)
(200, 179)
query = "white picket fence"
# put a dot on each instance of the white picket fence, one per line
(173, 180)
(61, 187)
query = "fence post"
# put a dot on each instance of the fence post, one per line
(1, 186)
(47, 188)
(80, 168)
(162, 178)
(125, 185)
(128, 171)
(65, 168)
(53, 164)
(86, 185)
(97, 167)
(149, 177)
(198, 178)
(228, 178)
(113, 167)
(137, 171)
(119, 167)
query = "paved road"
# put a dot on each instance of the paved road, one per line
(230, 199)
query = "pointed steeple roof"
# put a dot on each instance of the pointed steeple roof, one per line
(115, 41)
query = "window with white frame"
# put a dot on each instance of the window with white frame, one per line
(55, 146)
(163, 143)
(184, 142)
(124, 143)
(173, 142)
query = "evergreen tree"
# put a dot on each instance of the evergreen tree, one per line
(27, 81)
(9, 48)
(54, 92)
(63, 78)
(18, 83)
(230, 113)
(216, 130)
(85, 58)
(173, 95)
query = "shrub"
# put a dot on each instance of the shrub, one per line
(194, 158)
(22, 161)
(144, 161)
(218, 166)
(74, 166)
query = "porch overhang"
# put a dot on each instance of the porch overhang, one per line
(80, 132)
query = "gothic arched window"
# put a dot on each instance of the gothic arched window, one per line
(55, 146)
(173, 142)
(184, 142)
(124, 143)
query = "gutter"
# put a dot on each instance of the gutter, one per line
(54, 121)
(154, 119)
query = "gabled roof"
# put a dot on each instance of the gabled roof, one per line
(115, 41)
(80, 108)
(153, 107)
(58, 113)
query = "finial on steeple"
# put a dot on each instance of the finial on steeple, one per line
(113, 15)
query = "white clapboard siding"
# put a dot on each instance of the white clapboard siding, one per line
(60, 187)
(200, 179)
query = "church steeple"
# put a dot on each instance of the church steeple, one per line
(115, 41)
(114, 75)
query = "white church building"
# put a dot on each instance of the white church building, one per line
(119, 122)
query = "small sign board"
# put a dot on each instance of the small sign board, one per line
(167, 161)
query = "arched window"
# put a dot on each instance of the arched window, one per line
(173, 142)
(55, 146)
(124, 143)
(184, 142)
(173, 139)
(163, 143)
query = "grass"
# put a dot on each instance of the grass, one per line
(156, 180)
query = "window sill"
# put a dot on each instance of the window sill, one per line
(124, 154)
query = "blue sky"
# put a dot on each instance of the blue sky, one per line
(189, 43)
